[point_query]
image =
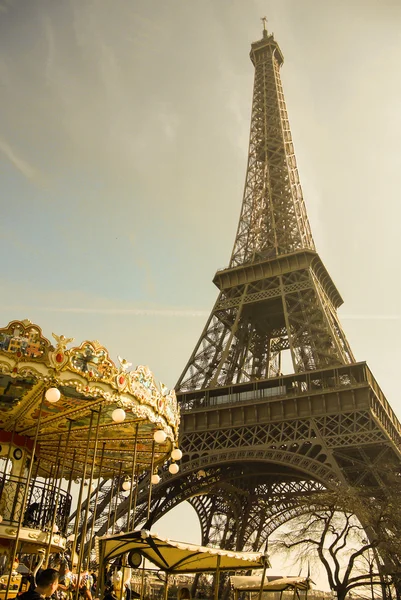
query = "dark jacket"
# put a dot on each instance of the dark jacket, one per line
(30, 595)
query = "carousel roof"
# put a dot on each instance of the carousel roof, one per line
(91, 387)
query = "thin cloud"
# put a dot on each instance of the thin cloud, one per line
(145, 312)
(371, 317)
(19, 163)
(169, 312)
(50, 59)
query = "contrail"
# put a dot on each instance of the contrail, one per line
(50, 48)
(370, 317)
(146, 312)
(166, 312)
(21, 165)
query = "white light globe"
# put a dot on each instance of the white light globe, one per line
(176, 454)
(126, 485)
(174, 468)
(155, 479)
(52, 395)
(159, 436)
(55, 528)
(118, 415)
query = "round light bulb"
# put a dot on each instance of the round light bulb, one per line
(118, 415)
(55, 528)
(176, 454)
(155, 479)
(174, 468)
(159, 436)
(126, 485)
(52, 395)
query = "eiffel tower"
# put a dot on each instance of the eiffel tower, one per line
(255, 439)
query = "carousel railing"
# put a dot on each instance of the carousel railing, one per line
(42, 500)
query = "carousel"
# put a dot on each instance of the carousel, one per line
(70, 418)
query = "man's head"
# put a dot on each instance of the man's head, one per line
(47, 581)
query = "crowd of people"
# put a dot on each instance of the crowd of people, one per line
(60, 584)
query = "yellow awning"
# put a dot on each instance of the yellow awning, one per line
(176, 557)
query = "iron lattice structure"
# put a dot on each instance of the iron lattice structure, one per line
(276, 294)
(254, 440)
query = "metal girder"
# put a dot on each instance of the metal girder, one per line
(273, 218)
(275, 280)
(247, 330)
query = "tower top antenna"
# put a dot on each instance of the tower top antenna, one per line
(264, 21)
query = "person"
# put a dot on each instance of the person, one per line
(94, 583)
(46, 585)
(85, 585)
(109, 593)
(67, 582)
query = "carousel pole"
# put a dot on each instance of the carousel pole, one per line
(72, 472)
(83, 530)
(152, 463)
(34, 478)
(123, 565)
(69, 486)
(20, 487)
(77, 517)
(129, 509)
(50, 497)
(53, 523)
(135, 497)
(14, 547)
(217, 579)
(96, 498)
(111, 496)
(132, 477)
(84, 526)
(8, 459)
(116, 502)
(165, 595)
(102, 573)
(4, 479)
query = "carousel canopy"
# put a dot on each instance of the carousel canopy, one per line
(84, 421)
(176, 557)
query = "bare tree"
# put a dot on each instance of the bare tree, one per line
(328, 530)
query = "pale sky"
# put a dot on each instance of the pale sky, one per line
(123, 141)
